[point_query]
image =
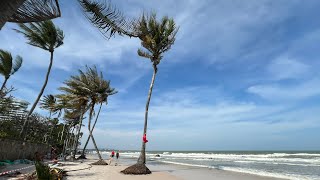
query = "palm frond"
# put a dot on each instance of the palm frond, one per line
(144, 54)
(156, 36)
(36, 11)
(16, 65)
(44, 35)
(5, 63)
(107, 19)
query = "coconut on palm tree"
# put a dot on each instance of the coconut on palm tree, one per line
(156, 37)
(8, 66)
(47, 36)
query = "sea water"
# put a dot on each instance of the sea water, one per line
(288, 165)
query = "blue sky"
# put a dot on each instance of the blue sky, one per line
(242, 75)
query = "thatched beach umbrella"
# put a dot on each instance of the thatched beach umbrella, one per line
(25, 11)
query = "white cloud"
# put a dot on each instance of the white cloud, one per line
(287, 68)
(176, 123)
(280, 92)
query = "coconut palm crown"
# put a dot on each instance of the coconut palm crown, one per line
(44, 35)
(156, 37)
(7, 66)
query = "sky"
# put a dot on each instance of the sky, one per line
(242, 75)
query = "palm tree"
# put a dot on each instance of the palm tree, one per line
(49, 103)
(101, 92)
(7, 66)
(157, 38)
(47, 36)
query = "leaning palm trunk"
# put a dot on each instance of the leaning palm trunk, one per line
(67, 143)
(39, 96)
(140, 167)
(90, 132)
(100, 161)
(142, 157)
(62, 133)
(4, 84)
(78, 135)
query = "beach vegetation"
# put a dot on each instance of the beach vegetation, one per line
(8, 66)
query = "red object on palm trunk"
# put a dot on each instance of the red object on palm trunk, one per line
(144, 138)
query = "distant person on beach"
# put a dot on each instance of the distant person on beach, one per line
(112, 154)
(117, 155)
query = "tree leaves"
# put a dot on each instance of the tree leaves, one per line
(44, 35)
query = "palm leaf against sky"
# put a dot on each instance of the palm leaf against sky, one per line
(107, 18)
(7, 66)
(44, 35)
(49, 103)
(24, 11)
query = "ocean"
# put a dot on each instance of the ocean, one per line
(288, 165)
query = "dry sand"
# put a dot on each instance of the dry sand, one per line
(83, 170)
(159, 172)
(96, 172)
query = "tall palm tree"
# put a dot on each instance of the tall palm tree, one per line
(47, 36)
(157, 37)
(7, 66)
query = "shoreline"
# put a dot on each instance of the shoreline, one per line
(159, 171)
(82, 169)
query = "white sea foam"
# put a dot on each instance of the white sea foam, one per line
(248, 171)
(281, 165)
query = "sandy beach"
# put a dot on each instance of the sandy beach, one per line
(83, 170)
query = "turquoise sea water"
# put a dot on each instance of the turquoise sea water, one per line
(284, 164)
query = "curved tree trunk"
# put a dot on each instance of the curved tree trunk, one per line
(142, 157)
(43, 87)
(4, 84)
(62, 133)
(90, 131)
(96, 147)
(78, 135)
(39, 96)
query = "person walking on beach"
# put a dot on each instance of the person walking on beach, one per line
(112, 154)
(111, 157)
(117, 155)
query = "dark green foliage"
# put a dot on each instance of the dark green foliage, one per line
(107, 18)
(7, 66)
(44, 35)
(43, 171)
